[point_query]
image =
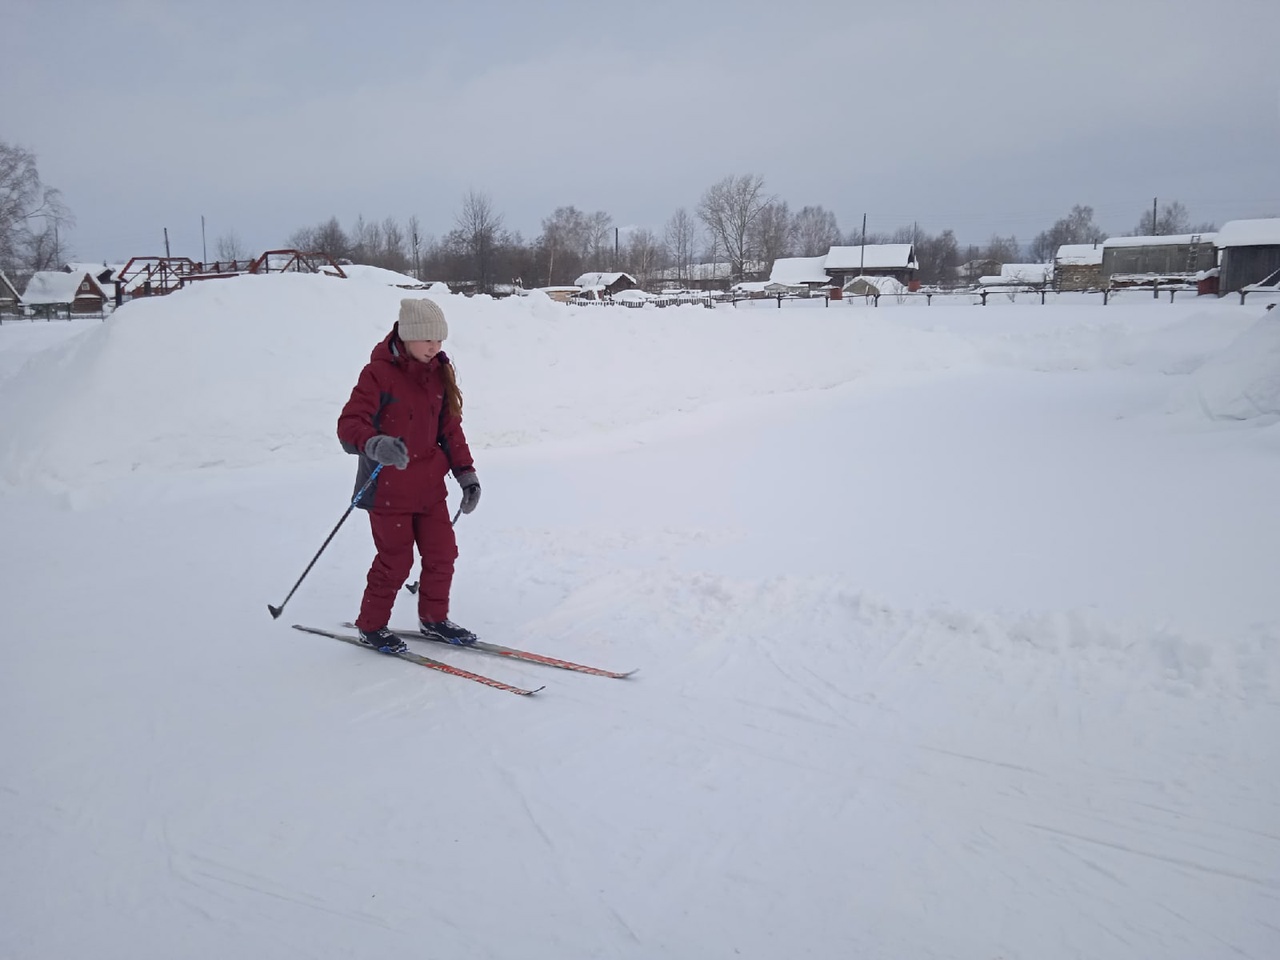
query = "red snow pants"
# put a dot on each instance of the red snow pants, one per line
(394, 536)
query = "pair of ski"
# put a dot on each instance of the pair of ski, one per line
(480, 646)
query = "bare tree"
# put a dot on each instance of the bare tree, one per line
(601, 238)
(938, 256)
(304, 239)
(573, 241)
(1075, 227)
(32, 215)
(816, 231)
(229, 247)
(772, 234)
(1001, 250)
(644, 250)
(1173, 219)
(365, 241)
(729, 209)
(415, 245)
(478, 228)
(392, 255)
(681, 233)
(330, 238)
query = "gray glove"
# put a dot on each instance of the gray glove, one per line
(470, 491)
(388, 451)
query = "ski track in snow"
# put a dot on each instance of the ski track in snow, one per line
(874, 715)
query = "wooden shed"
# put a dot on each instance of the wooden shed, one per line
(1250, 252)
(610, 283)
(1078, 266)
(795, 274)
(1128, 261)
(10, 299)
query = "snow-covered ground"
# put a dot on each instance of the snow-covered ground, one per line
(958, 635)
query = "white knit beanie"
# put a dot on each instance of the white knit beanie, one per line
(422, 319)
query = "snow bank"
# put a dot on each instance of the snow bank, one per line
(1243, 381)
(255, 370)
(369, 274)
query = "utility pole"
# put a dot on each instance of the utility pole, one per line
(863, 264)
(166, 243)
(204, 247)
(615, 248)
(1155, 217)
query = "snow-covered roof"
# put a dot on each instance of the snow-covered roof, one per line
(1250, 233)
(1079, 255)
(54, 286)
(798, 271)
(1025, 272)
(1173, 238)
(1017, 274)
(879, 256)
(602, 279)
(95, 270)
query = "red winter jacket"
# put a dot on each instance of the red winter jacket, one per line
(402, 397)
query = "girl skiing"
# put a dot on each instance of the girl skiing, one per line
(405, 413)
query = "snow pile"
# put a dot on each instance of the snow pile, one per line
(255, 369)
(1243, 381)
(364, 272)
(869, 286)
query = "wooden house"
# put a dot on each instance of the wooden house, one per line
(57, 293)
(897, 260)
(606, 283)
(1250, 252)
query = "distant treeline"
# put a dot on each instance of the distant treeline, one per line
(736, 222)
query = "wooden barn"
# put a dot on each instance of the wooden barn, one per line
(606, 283)
(897, 260)
(1134, 261)
(1078, 266)
(1250, 252)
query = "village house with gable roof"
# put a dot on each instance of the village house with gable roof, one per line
(897, 260)
(57, 293)
(598, 285)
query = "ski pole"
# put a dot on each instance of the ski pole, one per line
(276, 611)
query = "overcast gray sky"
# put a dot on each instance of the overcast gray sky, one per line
(983, 116)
